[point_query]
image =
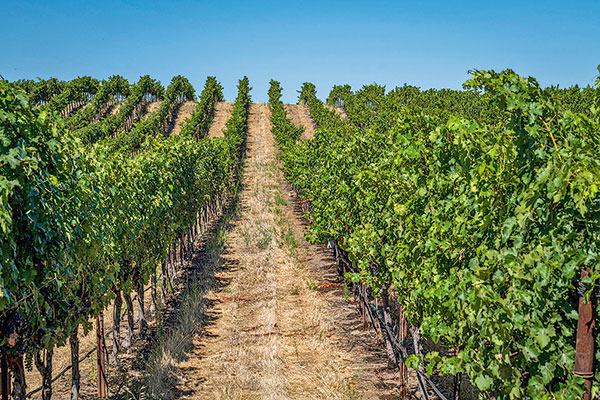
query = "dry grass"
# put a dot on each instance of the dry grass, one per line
(269, 337)
(173, 344)
(176, 337)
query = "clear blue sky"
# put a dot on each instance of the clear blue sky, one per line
(423, 43)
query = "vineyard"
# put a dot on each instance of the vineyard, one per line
(462, 225)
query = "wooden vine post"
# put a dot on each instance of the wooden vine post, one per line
(402, 335)
(584, 346)
(363, 290)
(101, 359)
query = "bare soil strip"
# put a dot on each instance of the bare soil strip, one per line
(184, 112)
(222, 114)
(116, 108)
(300, 115)
(278, 327)
(152, 106)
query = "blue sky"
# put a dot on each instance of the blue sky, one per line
(423, 43)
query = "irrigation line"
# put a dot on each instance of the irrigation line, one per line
(400, 348)
(397, 347)
(435, 389)
(64, 371)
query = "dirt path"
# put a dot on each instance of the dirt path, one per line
(184, 112)
(116, 108)
(300, 116)
(222, 114)
(279, 327)
(152, 106)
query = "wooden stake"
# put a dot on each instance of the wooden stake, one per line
(101, 359)
(19, 384)
(363, 288)
(584, 345)
(142, 324)
(402, 335)
(153, 296)
(130, 321)
(118, 303)
(387, 319)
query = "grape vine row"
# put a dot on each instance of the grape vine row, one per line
(478, 216)
(85, 222)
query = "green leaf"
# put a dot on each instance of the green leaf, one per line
(484, 382)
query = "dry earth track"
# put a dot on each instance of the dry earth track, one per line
(116, 108)
(152, 106)
(183, 113)
(300, 115)
(278, 328)
(222, 113)
(338, 110)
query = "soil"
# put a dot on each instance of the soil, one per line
(300, 115)
(184, 112)
(222, 113)
(339, 111)
(116, 108)
(152, 106)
